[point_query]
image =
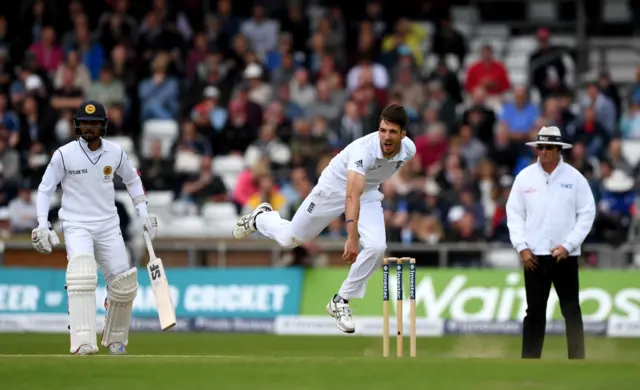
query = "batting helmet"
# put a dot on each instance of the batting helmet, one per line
(91, 111)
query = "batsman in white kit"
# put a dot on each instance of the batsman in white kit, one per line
(85, 169)
(349, 185)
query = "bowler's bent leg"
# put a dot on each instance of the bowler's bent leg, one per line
(122, 285)
(313, 215)
(373, 243)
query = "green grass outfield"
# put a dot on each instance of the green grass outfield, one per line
(259, 362)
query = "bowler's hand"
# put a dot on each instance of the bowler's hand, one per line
(559, 253)
(350, 250)
(529, 260)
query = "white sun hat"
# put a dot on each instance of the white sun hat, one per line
(550, 135)
(619, 181)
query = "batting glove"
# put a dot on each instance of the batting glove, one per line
(44, 239)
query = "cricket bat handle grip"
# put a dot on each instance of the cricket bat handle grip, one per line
(147, 240)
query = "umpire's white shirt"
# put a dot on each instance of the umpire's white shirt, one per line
(545, 210)
(86, 177)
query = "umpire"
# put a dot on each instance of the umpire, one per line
(550, 211)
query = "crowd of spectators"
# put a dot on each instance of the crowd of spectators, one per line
(287, 92)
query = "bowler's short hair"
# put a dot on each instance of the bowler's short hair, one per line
(396, 114)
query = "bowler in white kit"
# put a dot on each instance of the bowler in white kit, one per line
(85, 169)
(349, 184)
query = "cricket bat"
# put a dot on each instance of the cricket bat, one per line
(160, 286)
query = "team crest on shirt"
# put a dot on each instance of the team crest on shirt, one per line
(107, 172)
(90, 109)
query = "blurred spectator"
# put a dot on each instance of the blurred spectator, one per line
(22, 210)
(377, 73)
(306, 145)
(604, 108)
(327, 104)
(229, 24)
(8, 118)
(546, 65)
(117, 26)
(448, 79)
(431, 147)
(443, 103)
(10, 163)
(156, 170)
(290, 108)
(117, 124)
(488, 73)
(209, 115)
(248, 183)
(407, 38)
(591, 132)
(268, 146)
(48, 53)
(268, 192)
(412, 90)
(610, 90)
(35, 127)
(67, 97)
(302, 92)
(81, 75)
(480, 116)
(159, 93)
(351, 125)
(107, 90)
(615, 157)
(201, 186)
(519, 116)
(447, 40)
(471, 148)
(615, 207)
(630, 122)
(259, 91)
(89, 50)
(261, 31)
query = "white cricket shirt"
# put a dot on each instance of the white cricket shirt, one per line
(545, 210)
(364, 156)
(86, 178)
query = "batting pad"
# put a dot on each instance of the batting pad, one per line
(82, 280)
(121, 293)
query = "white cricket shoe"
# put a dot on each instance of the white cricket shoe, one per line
(86, 349)
(342, 313)
(117, 349)
(247, 223)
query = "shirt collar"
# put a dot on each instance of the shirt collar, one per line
(104, 147)
(558, 168)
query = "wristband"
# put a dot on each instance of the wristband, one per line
(351, 220)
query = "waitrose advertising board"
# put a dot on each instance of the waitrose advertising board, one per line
(480, 295)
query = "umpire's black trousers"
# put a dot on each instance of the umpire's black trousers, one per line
(564, 276)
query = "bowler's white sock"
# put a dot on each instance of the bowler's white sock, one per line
(270, 224)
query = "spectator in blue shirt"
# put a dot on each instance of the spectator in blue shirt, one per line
(520, 115)
(90, 51)
(159, 94)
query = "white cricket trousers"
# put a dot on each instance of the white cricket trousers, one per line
(103, 240)
(321, 207)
